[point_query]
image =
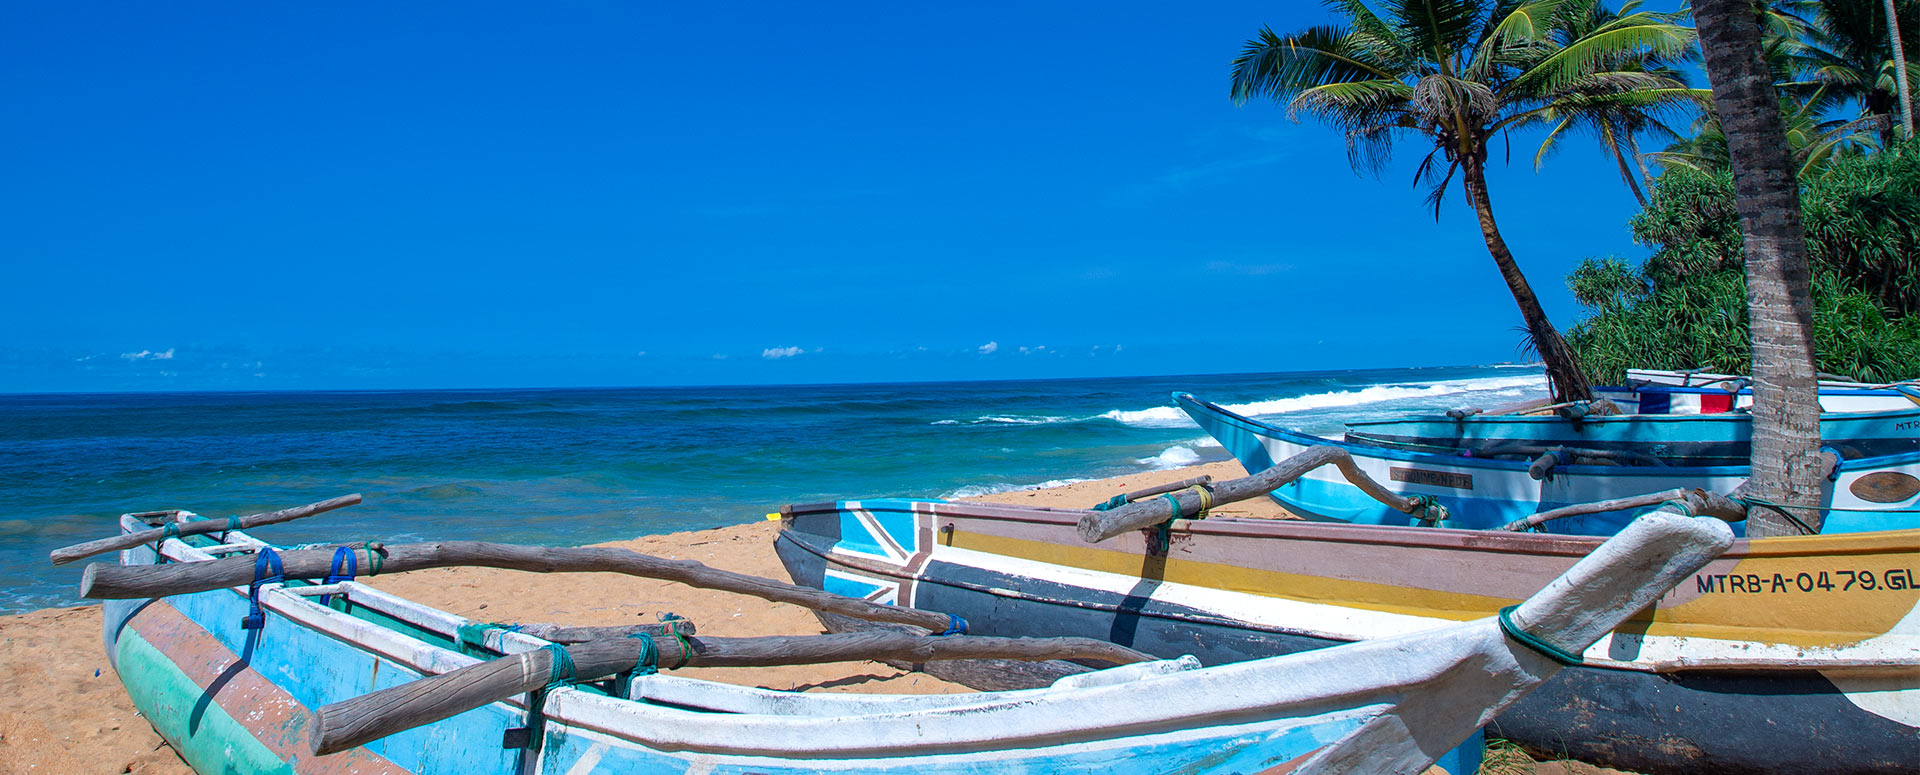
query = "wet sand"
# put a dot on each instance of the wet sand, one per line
(68, 713)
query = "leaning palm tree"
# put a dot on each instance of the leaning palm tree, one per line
(1786, 471)
(1458, 74)
(1854, 50)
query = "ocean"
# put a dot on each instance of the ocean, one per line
(572, 466)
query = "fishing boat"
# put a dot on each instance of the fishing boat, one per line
(1647, 439)
(1784, 655)
(258, 678)
(1867, 494)
(1653, 391)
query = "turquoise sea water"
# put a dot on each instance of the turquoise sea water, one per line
(582, 465)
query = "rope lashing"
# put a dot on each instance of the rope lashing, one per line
(1205, 494)
(1112, 503)
(1176, 505)
(376, 557)
(560, 672)
(686, 650)
(266, 560)
(1805, 529)
(955, 626)
(472, 636)
(169, 530)
(233, 523)
(1682, 506)
(1427, 509)
(647, 663)
(343, 558)
(1542, 647)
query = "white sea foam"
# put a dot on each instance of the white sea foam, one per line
(995, 488)
(1172, 457)
(1173, 417)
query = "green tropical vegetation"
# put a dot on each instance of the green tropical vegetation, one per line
(1686, 305)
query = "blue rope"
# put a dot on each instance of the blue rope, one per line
(955, 625)
(1544, 648)
(262, 562)
(341, 556)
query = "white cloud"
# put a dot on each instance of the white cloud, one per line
(149, 354)
(989, 348)
(1251, 270)
(772, 353)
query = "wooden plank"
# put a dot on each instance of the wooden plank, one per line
(68, 554)
(117, 582)
(1096, 526)
(358, 721)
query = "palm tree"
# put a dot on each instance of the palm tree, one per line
(1812, 142)
(1617, 121)
(1458, 74)
(1786, 412)
(1854, 50)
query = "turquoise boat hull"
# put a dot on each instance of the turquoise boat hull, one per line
(1676, 439)
(1484, 493)
(231, 700)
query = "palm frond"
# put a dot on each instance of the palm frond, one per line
(1280, 67)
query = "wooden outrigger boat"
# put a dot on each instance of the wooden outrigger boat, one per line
(266, 677)
(1867, 494)
(1653, 391)
(1785, 655)
(1641, 439)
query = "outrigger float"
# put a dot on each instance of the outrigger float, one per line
(244, 664)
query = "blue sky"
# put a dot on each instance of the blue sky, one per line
(360, 195)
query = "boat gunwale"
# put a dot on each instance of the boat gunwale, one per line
(644, 719)
(1506, 542)
(1362, 450)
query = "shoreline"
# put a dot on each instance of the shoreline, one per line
(71, 714)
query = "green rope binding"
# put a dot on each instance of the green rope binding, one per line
(1112, 503)
(560, 672)
(1805, 529)
(1542, 647)
(686, 650)
(560, 669)
(647, 663)
(472, 637)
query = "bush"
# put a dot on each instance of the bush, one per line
(1685, 306)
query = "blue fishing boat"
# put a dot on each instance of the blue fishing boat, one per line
(1867, 494)
(1655, 439)
(1652, 391)
(241, 679)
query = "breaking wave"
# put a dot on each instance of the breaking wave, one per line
(995, 488)
(1173, 417)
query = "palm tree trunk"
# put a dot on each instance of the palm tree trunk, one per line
(1900, 71)
(1563, 374)
(1786, 410)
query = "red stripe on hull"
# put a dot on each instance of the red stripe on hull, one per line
(274, 717)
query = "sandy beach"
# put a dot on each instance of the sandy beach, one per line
(69, 714)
